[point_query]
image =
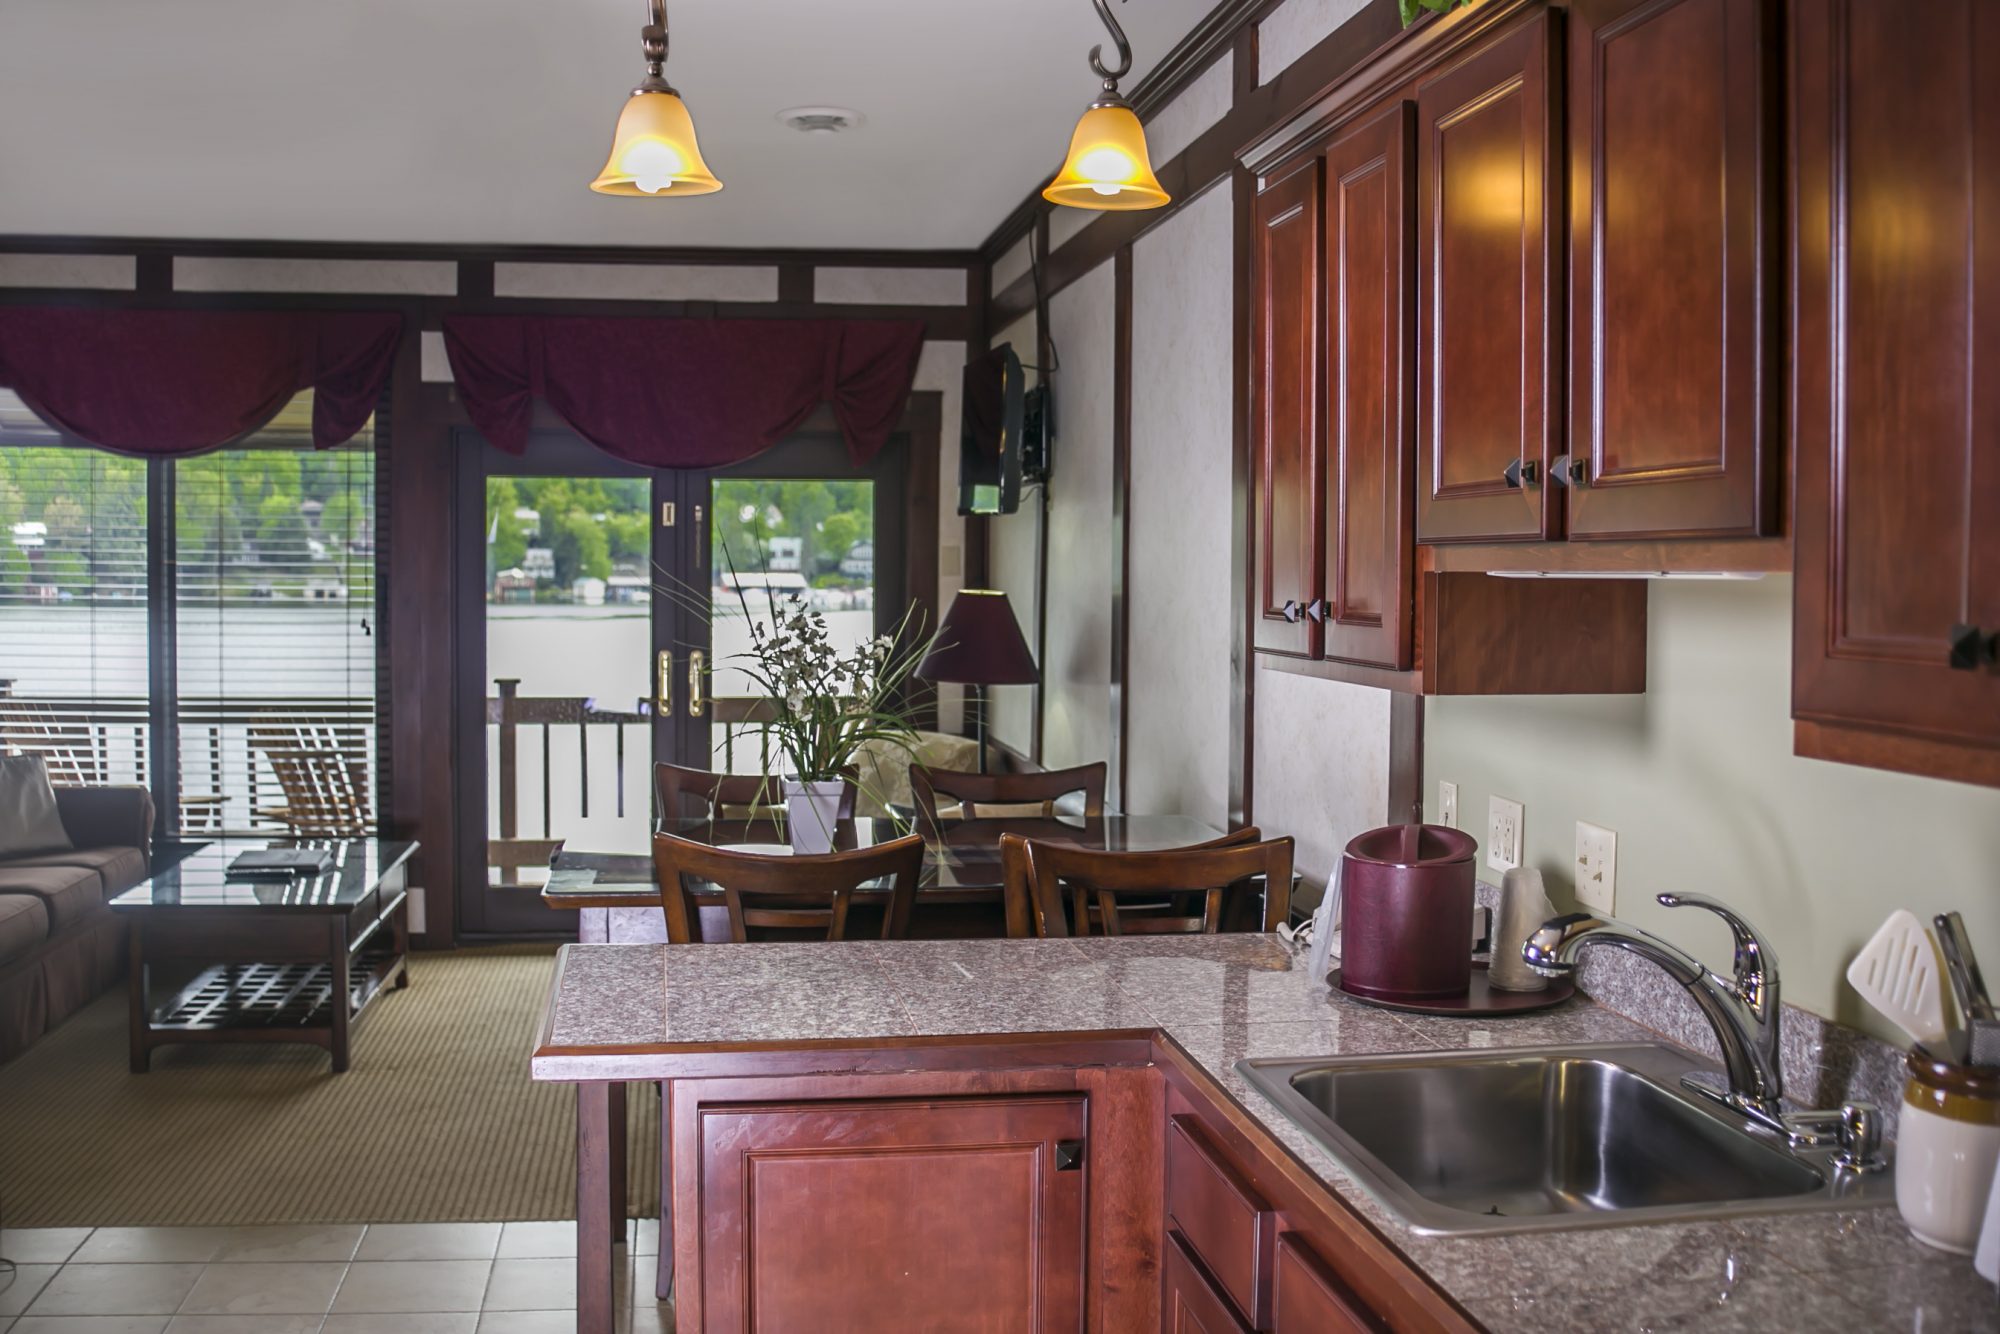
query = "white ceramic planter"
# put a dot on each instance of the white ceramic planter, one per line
(811, 811)
(1947, 1146)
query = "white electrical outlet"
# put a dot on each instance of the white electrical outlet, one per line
(1503, 834)
(1596, 867)
(1447, 804)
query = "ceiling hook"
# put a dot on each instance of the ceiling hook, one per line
(1111, 76)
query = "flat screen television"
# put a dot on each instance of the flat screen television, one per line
(1003, 434)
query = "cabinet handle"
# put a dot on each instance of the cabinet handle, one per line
(1972, 648)
(1069, 1155)
(1290, 611)
(696, 661)
(1316, 609)
(666, 682)
(1567, 471)
(1522, 473)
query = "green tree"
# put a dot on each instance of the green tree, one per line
(342, 517)
(508, 534)
(580, 546)
(838, 534)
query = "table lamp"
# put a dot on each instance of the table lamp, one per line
(980, 645)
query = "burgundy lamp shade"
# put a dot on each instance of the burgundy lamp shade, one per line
(980, 643)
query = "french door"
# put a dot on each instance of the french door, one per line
(602, 611)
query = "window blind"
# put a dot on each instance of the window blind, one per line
(73, 604)
(275, 634)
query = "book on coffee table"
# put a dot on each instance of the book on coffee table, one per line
(280, 863)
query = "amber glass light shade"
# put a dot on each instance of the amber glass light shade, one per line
(1108, 167)
(654, 153)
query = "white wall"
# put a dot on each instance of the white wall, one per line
(1321, 767)
(1076, 662)
(1014, 561)
(1177, 702)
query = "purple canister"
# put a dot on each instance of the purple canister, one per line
(1406, 913)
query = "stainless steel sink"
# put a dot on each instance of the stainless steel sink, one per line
(1526, 1138)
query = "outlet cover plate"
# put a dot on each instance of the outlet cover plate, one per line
(1503, 834)
(1447, 804)
(1596, 867)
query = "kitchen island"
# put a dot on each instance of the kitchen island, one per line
(1031, 1130)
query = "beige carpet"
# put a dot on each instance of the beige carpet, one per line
(436, 1120)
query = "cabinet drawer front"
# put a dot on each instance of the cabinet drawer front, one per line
(1190, 1304)
(1222, 1217)
(1308, 1299)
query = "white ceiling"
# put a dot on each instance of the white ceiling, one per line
(480, 121)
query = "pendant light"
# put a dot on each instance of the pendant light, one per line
(1108, 167)
(654, 153)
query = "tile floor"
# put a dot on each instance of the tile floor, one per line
(384, 1278)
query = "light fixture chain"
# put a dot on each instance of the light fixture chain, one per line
(1111, 76)
(654, 37)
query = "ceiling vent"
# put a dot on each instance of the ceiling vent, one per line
(821, 120)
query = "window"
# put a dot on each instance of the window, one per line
(73, 604)
(253, 667)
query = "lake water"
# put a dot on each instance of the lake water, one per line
(246, 652)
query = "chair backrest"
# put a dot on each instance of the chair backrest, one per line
(780, 892)
(968, 791)
(698, 794)
(323, 775)
(1148, 893)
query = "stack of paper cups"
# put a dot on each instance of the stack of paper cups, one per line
(1524, 906)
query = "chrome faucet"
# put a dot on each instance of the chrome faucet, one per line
(1743, 1008)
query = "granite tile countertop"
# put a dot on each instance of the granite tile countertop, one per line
(1223, 998)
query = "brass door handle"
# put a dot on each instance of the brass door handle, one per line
(696, 660)
(665, 700)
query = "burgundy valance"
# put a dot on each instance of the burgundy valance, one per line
(683, 393)
(183, 381)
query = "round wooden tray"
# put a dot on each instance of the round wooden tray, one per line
(1481, 999)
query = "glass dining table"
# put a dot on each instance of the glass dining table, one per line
(618, 902)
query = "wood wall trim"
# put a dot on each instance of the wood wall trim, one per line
(1242, 572)
(230, 248)
(1121, 526)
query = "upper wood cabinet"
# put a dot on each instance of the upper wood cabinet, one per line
(1370, 413)
(1673, 414)
(1489, 205)
(1286, 367)
(1896, 393)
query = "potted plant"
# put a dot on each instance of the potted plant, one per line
(827, 705)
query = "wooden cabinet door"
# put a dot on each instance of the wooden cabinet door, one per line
(1285, 382)
(1673, 389)
(1489, 203)
(1190, 1304)
(1371, 389)
(1897, 365)
(963, 1215)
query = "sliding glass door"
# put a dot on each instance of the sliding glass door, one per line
(604, 610)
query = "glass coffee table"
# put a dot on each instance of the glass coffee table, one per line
(265, 960)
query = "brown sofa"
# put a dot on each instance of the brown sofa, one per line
(60, 946)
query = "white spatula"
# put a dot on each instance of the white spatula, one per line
(1897, 973)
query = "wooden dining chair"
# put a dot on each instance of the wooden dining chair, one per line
(969, 791)
(1049, 918)
(761, 891)
(698, 794)
(1181, 891)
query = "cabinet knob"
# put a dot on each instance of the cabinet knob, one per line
(1316, 609)
(1972, 648)
(1290, 611)
(1522, 473)
(1567, 471)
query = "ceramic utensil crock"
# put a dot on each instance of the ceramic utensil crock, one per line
(1946, 1148)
